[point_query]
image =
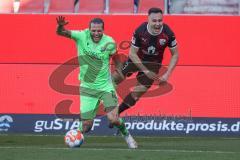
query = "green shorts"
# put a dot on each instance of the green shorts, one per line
(90, 99)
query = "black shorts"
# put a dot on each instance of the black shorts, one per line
(129, 68)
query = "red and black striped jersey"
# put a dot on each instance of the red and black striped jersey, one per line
(151, 47)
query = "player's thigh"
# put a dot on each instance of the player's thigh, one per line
(144, 80)
(128, 68)
(88, 107)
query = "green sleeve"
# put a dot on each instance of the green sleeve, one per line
(76, 35)
(111, 47)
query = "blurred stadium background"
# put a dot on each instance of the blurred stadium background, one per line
(230, 7)
(197, 116)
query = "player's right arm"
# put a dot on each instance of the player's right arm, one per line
(136, 60)
(60, 28)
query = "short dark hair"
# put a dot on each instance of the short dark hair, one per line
(96, 21)
(154, 10)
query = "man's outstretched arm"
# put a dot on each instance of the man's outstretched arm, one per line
(60, 28)
(172, 64)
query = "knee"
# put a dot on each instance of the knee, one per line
(139, 91)
(131, 99)
(113, 118)
(87, 126)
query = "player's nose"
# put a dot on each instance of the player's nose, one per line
(158, 23)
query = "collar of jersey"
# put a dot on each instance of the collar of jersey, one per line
(152, 33)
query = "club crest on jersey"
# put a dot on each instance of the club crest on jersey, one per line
(162, 42)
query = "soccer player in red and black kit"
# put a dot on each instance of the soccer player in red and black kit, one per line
(145, 56)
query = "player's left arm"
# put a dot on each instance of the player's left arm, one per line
(111, 48)
(172, 64)
(116, 57)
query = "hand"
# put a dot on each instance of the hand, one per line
(164, 78)
(61, 21)
(151, 75)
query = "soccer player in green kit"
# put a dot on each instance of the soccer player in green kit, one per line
(94, 51)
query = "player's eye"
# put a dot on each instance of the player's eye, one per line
(155, 20)
(96, 30)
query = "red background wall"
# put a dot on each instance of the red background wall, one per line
(205, 84)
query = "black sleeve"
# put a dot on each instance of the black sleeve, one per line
(135, 39)
(172, 39)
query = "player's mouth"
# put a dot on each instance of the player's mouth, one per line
(157, 29)
(96, 38)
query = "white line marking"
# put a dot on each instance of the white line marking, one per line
(120, 149)
(141, 137)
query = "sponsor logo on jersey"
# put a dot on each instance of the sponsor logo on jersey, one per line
(162, 42)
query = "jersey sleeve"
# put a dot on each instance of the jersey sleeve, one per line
(172, 39)
(77, 35)
(111, 47)
(136, 39)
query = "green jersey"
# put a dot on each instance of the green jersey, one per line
(94, 60)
